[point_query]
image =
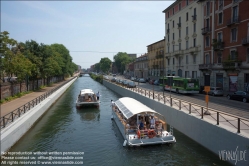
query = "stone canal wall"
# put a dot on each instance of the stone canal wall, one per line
(13, 132)
(213, 137)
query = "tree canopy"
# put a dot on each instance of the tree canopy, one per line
(122, 59)
(33, 59)
(105, 64)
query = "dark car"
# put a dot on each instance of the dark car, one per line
(156, 82)
(141, 80)
(239, 95)
(131, 85)
(113, 80)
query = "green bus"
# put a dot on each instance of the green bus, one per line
(179, 84)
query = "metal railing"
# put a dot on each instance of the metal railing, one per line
(191, 108)
(13, 115)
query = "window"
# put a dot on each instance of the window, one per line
(186, 44)
(235, 14)
(207, 41)
(180, 46)
(219, 37)
(173, 11)
(219, 58)
(179, 19)
(208, 8)
(168, 25)
(220, 18)
(180, 6)
(234, 34)
(194, 74)
(187, 16)
(220, 4)
(168, 14)
(179, 33)
(186, 74)
(194, 27)
(194, 11)
(186, 30)
(194, 59)
(173, 36)
(173, 61)
(194, 42)
(173, 24)
(207, 59)
(207, 23)
(233, 55)
(187, 2)
(186, 59)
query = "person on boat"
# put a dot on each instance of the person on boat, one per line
(152, 122)
(141, 125)
(97, 94)
(112, 103)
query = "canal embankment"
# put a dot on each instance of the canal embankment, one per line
(15, 130)
(220, 139)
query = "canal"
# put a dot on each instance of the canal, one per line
(64, 128)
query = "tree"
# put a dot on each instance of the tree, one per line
(105, 64)
(121, 59)
(97, 67)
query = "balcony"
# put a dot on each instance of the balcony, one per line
(231, 65)
(245, 41)
(234, 20)
(205, 66)
(160, 56)
(167, 31)
(218, 46)
(193, 50)
(179, 25)
(194, 18)
(177, 53)
(205, 30)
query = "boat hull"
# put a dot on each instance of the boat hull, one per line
(87, 104)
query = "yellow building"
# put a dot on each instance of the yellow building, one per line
(156, 59)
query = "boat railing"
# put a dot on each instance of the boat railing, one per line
(237, 122)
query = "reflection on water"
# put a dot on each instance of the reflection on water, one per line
(64, 128)
(89, 114)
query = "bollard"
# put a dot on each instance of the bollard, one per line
(238, 125)
(189, 108)
(171, 102)
(180, 106)
(217, 118)
(201, 112)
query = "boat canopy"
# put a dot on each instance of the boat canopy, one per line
(129, 107)
(86, 91)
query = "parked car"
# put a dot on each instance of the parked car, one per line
(239, 95)
(113, 79)
(142, 80)
(125, 82)
(151, 82)
(215, 91)
(131, 84)
(156, 82)
(133, 78)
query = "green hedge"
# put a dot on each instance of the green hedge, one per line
(98, 78)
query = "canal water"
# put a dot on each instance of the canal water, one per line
(64, 128)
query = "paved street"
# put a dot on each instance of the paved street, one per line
(215, 102)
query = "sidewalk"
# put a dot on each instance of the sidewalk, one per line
(14, 104)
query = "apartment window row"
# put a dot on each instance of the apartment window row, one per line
(180, 60)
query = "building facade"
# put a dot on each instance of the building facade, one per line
(226, 43)
(156, 59)
(183, 39)
(141, 66)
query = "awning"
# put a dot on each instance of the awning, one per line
(129, 107)
(88, 91)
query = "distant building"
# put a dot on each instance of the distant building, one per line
(133, 56)
(141, 66)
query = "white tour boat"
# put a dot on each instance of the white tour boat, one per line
(139, 124)
(87, 98)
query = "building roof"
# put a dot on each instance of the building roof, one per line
(129, 107)
(156, 42)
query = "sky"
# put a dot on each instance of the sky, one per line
(90, 30)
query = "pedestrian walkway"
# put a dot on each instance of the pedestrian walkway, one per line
(14, 104)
